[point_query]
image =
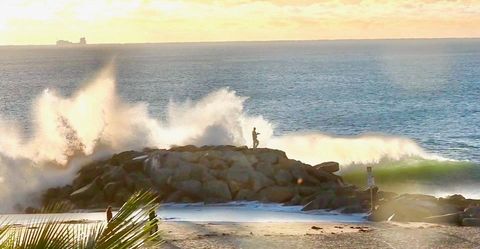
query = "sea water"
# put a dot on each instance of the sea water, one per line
(424, 91)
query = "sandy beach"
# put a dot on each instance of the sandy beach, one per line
(317, 235)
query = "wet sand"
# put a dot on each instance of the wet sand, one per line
(317, 235)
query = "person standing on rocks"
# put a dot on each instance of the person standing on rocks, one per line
(254, 137)
(109, 213)
(152, 217)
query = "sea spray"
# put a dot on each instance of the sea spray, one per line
(93, 122)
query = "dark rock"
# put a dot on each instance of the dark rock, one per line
(276, 194)
(321, 201)
(31, 210)
(283, 177)
(453, 218)
(265, 169)
(330, 167)
(192, 187)
(123, 157)
(110, 189)
(133, 165)
(471, 222)
(86, 192)
(296, 200)
(471, 212)
(113, 174)
(352, 209)
(217, 189)
(175, 196)
(260, 181)
(299, 173)
(207, 173)
(245, 195)
(121, 196)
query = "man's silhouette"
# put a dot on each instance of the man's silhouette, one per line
(254, 137)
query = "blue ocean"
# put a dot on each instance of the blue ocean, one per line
(409, 107)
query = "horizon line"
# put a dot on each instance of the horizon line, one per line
(241, 41)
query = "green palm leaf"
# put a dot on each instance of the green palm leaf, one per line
(129, 228)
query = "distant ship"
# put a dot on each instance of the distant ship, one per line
(82, 41)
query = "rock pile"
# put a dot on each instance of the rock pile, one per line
(454, 209)
(209, 174)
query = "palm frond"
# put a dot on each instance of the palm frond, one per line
(129, 228)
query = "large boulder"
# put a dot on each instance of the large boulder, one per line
(217, 190)
(266, 169)
(182, 172)
(269, 157)
(191, 187)
(260, 181)
(245, 195)
(471, 222)
(135, 164)
(276, 194)
(113, 174)
(162, 177)
(330, 167)
(120, 158)
(239, 174)
(411, 207)
(121, 196)
(237, 159)
(300, 174)
(86, 191)
(321, 201)
(472, 212)
(283, 177)
(453, 219)
(110, 189)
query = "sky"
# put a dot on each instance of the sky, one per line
(143, 21)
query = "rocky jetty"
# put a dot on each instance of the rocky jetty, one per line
(210, 174)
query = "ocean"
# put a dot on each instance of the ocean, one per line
(399, 103)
